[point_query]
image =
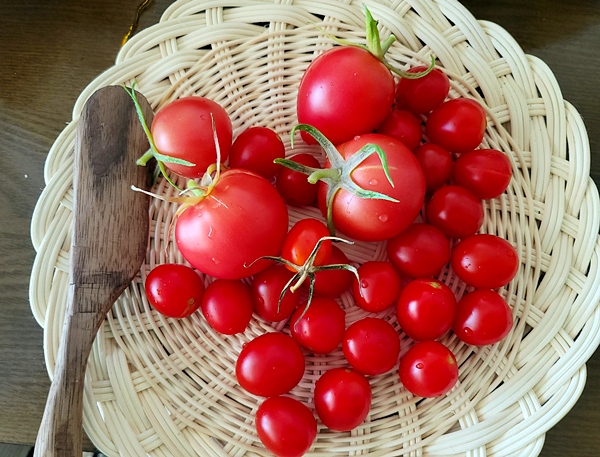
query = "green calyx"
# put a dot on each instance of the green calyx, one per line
(308, 270)
(153, 152)
(338, 176)
(379, 48)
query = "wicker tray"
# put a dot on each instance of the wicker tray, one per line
(162, 387)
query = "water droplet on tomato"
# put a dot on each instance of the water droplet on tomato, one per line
(373, 182)
(210, 233)
(215, 260)
(383, 217)
(419, 366)
(468, 332)
(364, 284)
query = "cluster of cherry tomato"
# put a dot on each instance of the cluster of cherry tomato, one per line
(403, 164)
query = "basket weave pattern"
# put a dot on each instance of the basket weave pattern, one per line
(164, 387)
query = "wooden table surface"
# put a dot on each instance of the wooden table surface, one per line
(51, 49)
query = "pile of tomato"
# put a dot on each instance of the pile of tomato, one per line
(403, 164)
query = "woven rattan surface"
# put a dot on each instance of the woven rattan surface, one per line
(163, 387)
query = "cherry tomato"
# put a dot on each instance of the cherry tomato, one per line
(457, 125)
(428, 369)
(421, 95)
(436, 163)
(379, 286)
(183, 129)
(342, 399)
(333, 283)
(422, 250)
(371, 346)
(174, 290)
(255, 149)
(242, 219)
(302, 239)
(455, 211)
(482, 317)
(285, 426)
(270, 364)
(337, 93)
(425, 309)
(227, 306)
(484, 172)
(320, 328)
(485, 261)
(293, 185)
(267, 287)
(370, 219)
(404, 126)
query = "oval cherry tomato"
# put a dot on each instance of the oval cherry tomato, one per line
(378, 288)
(371, 346)
(422, 250)
(436, 163)
(255, 149)
(337, 93)
(333, 283)
(370, 219)
(285, 426)
(293, 186)
(485, 261)
(270, 364)
(267, 287)
(425, 309)
(484, 172)
(455, 211)
(457, 125)
(320, 328)
(183, 129)
(223, 235)
(342, 399)
(482, 317)
(421, 95)
(404, 126)
(428, 369)
(174, 290)
(302, 239)
(227, 306)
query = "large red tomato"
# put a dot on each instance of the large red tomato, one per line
(240, 220)
(346, 91)
(375, 219)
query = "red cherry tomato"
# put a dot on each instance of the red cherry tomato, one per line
(255, 149)
(302, 239)
(436, 163)
(455, 211)
(421, 95)
(183, 129)
(371, 346)
(320, 328)
(337, 93)
(342, 399)
(404, 126)
(457, 125)
(222, 235)
(270, 364)
(425, 309)
(267, 287)
(174, 290)
(485, 261)
(484, 172)
(422, 250)
(285, 426)
(333, 283)
(227, 306)
(428, 369)
(378, 288)
(293, 185)
(482, 317)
